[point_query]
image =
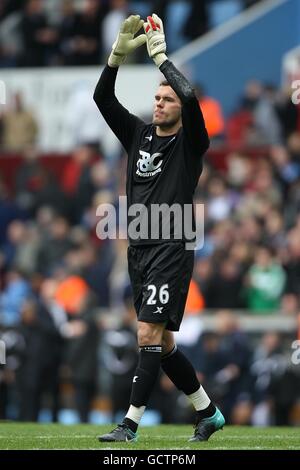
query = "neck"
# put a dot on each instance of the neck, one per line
(165, 131)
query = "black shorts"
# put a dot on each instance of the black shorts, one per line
(160, 276)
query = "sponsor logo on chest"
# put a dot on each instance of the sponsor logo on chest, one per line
(149, 165)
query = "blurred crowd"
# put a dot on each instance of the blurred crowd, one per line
(38, 33)
(66, 313)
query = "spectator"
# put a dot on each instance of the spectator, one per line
(266, 118)
(292, 262)
(20, 128)
(288, 112)
(82, 46)
(20, 250)
(17, 290)
(76, 180)
(38, 373)
(212, 113)
(38, 38)
(10, 39)
(225, 367)
(220, 200)
(81, 349)
(29, 179)
(265, 282)
(226, 286)
(121, 356)
(67, 30)
(96, 269)
(54, 246)
(195, 301)
(276, 383)
(111, 23)
(9, 211)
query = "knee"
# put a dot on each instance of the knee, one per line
(148, 334)
(168, 343)
(167, 346)
(145, 337)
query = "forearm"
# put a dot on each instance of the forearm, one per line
(192, 118)
(177, 81)
(121, 122)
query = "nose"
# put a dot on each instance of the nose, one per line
(160, 103)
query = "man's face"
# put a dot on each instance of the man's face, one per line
(167, 108)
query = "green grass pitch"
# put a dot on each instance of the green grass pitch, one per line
(55, 436)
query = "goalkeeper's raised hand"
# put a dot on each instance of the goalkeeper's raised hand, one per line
(126, 42)
(156, 43)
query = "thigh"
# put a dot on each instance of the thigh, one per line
(167, 272)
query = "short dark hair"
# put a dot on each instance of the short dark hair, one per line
(164, 83)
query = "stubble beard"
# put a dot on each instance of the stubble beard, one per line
(165, 125)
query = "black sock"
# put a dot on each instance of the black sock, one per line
(207, 412)
(179, 369)
(144, 379)
(131, 424)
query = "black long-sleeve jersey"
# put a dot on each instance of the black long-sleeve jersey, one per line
(160, 170)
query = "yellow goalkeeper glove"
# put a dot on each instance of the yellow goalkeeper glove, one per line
(126, 42)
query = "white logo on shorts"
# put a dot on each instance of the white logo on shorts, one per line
(159, 310)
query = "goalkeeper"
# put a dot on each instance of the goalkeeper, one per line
(164, 164)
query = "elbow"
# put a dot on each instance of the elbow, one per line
(99, 99)
(189, 97)
(190, 94)
(96, 96)
(205, 143)
(99, 94)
